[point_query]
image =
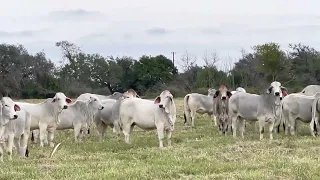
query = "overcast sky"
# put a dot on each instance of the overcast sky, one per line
(152, 27)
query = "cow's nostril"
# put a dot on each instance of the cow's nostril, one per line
(277, 93)
(102, 107)
(224, 98)
(65, 107)
(160, 106)
(15, 116)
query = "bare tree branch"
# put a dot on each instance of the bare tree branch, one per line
(210, 58)
(187, 61)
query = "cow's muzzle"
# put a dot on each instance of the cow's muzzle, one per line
(277, 94)
(101, 108)
(160, 105)
(15, 116)
(224, 98)
(65, 107)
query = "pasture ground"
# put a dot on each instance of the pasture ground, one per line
(198, 153)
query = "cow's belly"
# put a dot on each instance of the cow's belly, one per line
(203, 111)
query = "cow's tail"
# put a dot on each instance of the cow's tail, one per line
(186, 108)
(314, 108)
(32, 136)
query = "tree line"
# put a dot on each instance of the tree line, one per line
(25, 75)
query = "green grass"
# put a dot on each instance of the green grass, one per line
(199, 153)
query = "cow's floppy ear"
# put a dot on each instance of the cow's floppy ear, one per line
(157, 100)
(216, 94)
(229, 94)
(16, 107)
(284, 89)
(269, 90)
(68, 100)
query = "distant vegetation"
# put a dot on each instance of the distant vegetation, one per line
(24, 75)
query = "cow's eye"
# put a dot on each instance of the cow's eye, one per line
(6, 105)
(58, 99)
(95, 100)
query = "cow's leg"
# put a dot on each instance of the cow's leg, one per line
(169, 135)
(102, 129)
(35, 136)
(77, 131)
(24, 142)
(292, 122)
(193, 115)
(50, 138)
(312, 126)
(261, 127)
(160, 130)
(242, 126)
(1, 154)
(214, 120)
(271, 125)
(42, 134)
(126, 129)
(16, 142)
(10, 145)
(234, 120)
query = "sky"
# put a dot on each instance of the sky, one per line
(152, 27)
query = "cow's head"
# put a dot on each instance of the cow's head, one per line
(8, 108)
(211, 91)
(223, 93)
(164, 100)
(133, 92)
(61, 100)
(240, 89)
(276, 89)
(95, 102)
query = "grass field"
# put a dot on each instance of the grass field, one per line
(198, 153)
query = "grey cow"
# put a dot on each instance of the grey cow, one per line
(220, 108)
(266, 108)
(198, 103)
(298, 107)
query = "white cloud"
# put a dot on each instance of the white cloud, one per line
(140, 27)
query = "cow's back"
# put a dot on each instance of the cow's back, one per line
(141, 112)
(299, 106)
(200, 102)
(244, 105)
(311, 90)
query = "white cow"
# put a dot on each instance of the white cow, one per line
(198, 103)
(265, 108)
(310, 90)
(109, 116)
(159, 114)
(239, 89)
(78, 116)
(10, 130)
(45, 115)
(298, 107)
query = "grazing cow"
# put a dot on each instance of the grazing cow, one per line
(239, 89)
(220, 108)
(45, 115)
(298, 107)
(8, 114)
(78, 116)
(265, 108)
(310, 90)
(198, 103)
(159, 114)
(109, 116)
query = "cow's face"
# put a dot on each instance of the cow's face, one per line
(61, 100)
(211, 92)
(164, 100)
(8, 108)
(276, 89)
(223, 93)
(95, 103)
(132, 92)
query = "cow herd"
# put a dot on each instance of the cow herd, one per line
(229, 110)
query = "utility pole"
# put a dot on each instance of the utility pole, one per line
(173, 53)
